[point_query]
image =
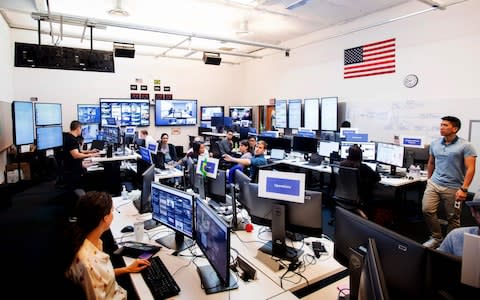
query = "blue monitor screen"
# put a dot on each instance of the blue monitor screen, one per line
(89, 132)
(110, 135)
(175, 112)
(48, 114)
(23, 122)
(49, 137)
(145, 154)
(126, 112)
(173, 208)
(88, 113)
(213, 239)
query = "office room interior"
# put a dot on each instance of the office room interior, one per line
(435, 40)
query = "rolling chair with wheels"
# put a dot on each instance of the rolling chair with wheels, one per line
(346, 194)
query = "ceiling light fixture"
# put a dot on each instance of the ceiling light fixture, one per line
(118, 10)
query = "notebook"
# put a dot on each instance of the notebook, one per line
(470, 261)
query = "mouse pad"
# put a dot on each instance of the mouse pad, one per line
(137, 250)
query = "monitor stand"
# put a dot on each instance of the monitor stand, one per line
(277, 246)
(212, 284)
(176, 241)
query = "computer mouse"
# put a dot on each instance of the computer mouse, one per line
(128, 228)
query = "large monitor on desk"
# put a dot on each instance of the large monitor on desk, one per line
(89, 132)
(390, 154)
(372, 284)
(48, 114)
(304, 144)
(143, 204)
(174, 209)
(22, 112)
(110, 135)
(368, 149)
(402, 258)
(277, 143)
(213, 239)
(216, 188)
(303, 218)
(326, 148)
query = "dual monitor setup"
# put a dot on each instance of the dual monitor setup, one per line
(279, 200)
(386, 265)
(214, 117)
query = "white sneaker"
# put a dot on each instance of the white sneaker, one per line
(432, 243)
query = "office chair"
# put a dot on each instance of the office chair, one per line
(346, 183)
(216, 150)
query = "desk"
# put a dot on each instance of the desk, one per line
(182, 268)
(167, 173)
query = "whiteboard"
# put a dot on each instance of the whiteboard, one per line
(474, 138)
(6, 132)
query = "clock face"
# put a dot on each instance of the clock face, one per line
(410, 80)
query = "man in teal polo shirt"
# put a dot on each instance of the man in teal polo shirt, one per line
(451, 167)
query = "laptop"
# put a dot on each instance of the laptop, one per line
(470, 262)
(277, 154)
(315, 159)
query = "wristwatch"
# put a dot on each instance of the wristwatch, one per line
(465, 190)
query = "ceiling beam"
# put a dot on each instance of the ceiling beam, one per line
(80, 21)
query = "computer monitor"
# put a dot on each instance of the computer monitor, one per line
(22, 112)
(153, 147)
(213, 239)
(372, 284)
(368, 149)
(280, 113)
(303, 218)
(326, 148)
(390, 154)
(145, 154)
(89, 132)
(143, 204)
(88, 113)
(208, 167)
(48, 114)
(207, 112)
(158, 159)
(329, 113)
(311, 113)
(127, 112)
(216, 188)
(174, 209)
(177, 112)
(402, 258)
(110, 135)
(416, 156)
(304, 144)
(49, 137)
(295, 113)
(130, 131)
(277, 143)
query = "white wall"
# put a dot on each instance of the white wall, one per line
(440, 47)
(188, 80)
(6, 71)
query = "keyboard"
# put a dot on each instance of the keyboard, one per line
(159, 280)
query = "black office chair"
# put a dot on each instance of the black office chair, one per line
(216, 150)
(346, 194)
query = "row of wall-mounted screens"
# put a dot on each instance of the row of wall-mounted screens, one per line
(133, 112)
(317, 113)
(43, 120)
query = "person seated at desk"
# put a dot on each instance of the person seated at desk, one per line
(244, 149)
(226, 145)
(168, 150)
(252, 141)
(368, 177)
(453, 242)
(90, 267)
(143, 134)
(254, 162)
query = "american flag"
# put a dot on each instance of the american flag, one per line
(371, 59)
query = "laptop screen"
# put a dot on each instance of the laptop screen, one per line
(277, 154)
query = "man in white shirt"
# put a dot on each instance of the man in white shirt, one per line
(148, 139)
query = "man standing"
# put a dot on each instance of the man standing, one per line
(451, 167)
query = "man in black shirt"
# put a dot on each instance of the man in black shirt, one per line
(73, 168)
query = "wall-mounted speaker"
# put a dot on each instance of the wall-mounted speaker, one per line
(210, 58)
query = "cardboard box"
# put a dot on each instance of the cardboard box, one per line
(24, 170)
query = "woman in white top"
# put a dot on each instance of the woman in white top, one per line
(90, 267)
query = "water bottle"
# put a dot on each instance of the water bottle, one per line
(412, 171)
(417, 172)
(124, 193)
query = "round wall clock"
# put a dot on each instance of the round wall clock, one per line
(410, 80)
